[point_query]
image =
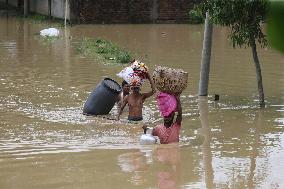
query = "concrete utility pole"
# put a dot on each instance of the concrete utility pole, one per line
(206, 55)
(66, 11)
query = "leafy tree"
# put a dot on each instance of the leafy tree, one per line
(245, 18)
(275, 26)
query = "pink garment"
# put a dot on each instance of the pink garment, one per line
(167, 103)
(167, 135)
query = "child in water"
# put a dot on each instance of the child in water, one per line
(135, 101)
(125, 91)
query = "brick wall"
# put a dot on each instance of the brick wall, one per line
(132, 11)
(174, 10)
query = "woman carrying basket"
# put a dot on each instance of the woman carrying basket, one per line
(169, 131)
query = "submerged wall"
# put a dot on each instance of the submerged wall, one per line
(134, 11)
(38, 6)
(41, 7)
(58, 8)
(114, 11)
(11, 2)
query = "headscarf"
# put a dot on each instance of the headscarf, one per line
(167, 103)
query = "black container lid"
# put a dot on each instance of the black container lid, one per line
(112, 85)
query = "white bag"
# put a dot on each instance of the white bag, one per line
(130, 77)
(51, 32)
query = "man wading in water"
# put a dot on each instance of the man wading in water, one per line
(135, 101)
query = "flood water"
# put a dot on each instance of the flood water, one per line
(46, 141)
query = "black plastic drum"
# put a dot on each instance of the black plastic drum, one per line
(103, 98)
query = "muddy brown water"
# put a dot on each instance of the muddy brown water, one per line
(46, 141)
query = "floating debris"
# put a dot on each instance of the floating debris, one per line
(50, 32)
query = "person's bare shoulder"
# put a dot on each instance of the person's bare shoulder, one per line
(125, 99)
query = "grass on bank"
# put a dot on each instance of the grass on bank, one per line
(39, 19)
(103, 49)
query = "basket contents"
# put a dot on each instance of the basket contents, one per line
(170, 80)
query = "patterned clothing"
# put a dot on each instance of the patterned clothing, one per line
(167, 135)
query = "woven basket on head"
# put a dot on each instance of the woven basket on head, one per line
(170, 80)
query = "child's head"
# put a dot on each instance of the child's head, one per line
(125, 87)
(168, 120)
(135, 89)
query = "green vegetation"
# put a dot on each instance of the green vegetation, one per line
(39, 18)
(34, 17)
(275, 27)
(105, 50)
(245, 20)
(195, 16)
(242, 16)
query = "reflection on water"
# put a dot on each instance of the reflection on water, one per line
(205, 131)
(46, 141)
(161, 162)
(170, 157)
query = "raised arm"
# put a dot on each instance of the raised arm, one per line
(123, 104)
(147, 95)
(179, 108)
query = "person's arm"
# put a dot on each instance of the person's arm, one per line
(179, 108)
(124, 102)
(147, 95)
(120, 97)
(154, 132)
(145, 128)
(119, 101)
